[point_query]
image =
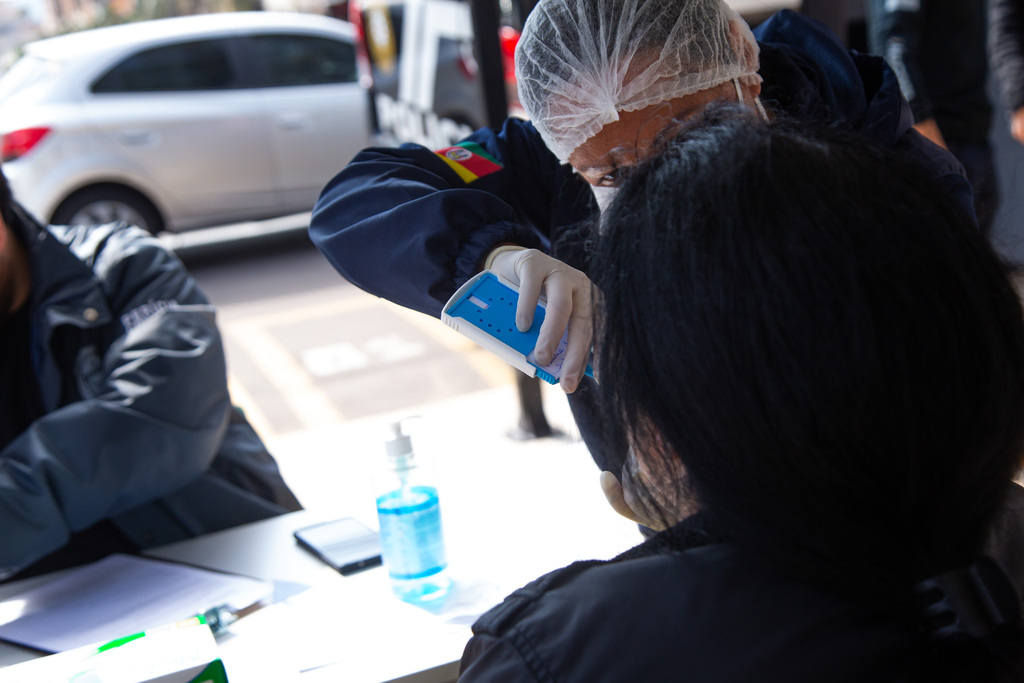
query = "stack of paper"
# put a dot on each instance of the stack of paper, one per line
(119, 596)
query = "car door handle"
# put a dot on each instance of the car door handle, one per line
(294, 121)
(139, 137)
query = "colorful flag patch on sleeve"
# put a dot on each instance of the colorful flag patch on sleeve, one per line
(469, 160)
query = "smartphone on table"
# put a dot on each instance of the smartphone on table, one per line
(346, 544)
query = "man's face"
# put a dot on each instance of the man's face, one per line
(637, 135)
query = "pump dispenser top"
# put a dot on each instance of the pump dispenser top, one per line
(400, 444)
(399, 449)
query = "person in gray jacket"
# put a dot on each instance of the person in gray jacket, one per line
(1006, 53)
(945, 85)
(117, 432)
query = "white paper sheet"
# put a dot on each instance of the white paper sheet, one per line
(354, 630)
(118, 596)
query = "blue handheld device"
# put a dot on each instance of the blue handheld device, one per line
(484, 309)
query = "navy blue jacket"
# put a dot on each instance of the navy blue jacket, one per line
(401, 224)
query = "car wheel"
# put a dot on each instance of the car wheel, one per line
(108, 204)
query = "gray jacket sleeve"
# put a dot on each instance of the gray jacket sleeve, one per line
(894, 32)
(153, 411)
(1006, 49)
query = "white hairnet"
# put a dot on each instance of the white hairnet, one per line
(580, 62)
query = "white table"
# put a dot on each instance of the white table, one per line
(510, 513)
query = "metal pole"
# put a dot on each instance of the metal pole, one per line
(488, 52)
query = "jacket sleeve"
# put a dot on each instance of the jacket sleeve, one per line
(495, 658)
(153, 409)
(404, 225)
(894, 32)
(944, 168)
(1006, 49)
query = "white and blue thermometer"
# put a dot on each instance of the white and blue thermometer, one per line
(484, 310)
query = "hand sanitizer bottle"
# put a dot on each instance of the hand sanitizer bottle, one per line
(411, 538)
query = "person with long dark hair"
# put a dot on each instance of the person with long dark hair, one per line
(818, 363)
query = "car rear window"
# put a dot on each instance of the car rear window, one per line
(196, 65)
(26, 72)
(287, 60)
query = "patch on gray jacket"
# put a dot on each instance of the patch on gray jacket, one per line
(138, 315)
(902, 5)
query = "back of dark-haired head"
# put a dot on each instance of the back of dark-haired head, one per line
(825, 343)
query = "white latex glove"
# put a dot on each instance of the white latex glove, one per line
(567, 291)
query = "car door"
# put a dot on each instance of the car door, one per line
(181, 119)
(318, 113)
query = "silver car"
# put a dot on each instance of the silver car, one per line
(182, 123)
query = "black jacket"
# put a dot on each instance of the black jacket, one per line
(687, 605)
(669, 611)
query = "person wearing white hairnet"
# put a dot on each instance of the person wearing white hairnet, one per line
(603, 81)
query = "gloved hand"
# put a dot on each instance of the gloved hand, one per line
(568, 293)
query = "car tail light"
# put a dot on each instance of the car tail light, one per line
(355, 17)
(509, 38)
(20, 142)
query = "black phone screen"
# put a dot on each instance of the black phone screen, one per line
(345, 544)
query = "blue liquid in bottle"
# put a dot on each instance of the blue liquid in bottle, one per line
(412, 543)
